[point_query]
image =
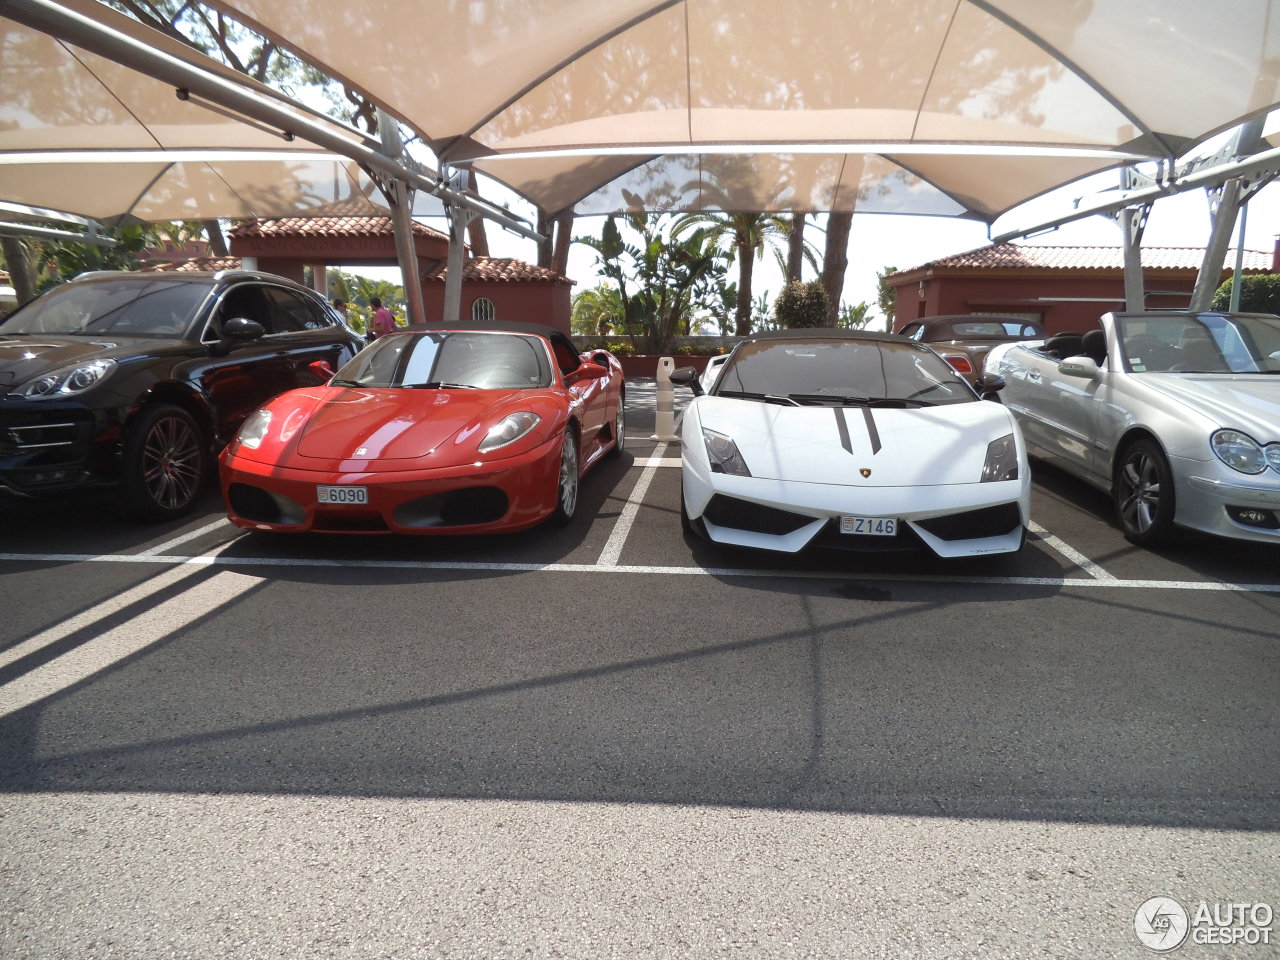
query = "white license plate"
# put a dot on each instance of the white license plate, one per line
(869, 526)
(343, 494)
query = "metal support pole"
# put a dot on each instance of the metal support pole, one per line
(459, 218)
(1133, 222)
(399, 196)
(1239, 271)
(1224, 204)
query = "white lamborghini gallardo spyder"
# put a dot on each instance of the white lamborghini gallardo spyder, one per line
(851, 440)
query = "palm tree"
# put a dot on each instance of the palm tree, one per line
(746, 236)
(591, 308)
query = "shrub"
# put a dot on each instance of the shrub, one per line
(622, 349)
(801, 305)
(686, 350)
(1259, 293)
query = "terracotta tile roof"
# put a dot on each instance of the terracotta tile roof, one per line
(194, 265)
(1009, 256)
(329, 227)
(497, 270)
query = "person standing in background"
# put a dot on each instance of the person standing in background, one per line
(383, 322)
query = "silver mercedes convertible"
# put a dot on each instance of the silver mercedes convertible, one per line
(1175, 414)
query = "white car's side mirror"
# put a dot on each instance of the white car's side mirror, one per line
(1085, 367)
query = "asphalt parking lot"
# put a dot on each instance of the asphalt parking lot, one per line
(610, 740)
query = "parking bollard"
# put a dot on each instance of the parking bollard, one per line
(665, 420)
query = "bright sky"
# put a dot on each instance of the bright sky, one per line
(879, 240)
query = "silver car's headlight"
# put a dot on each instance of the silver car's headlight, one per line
(723, 454)
(508, 430)
(1239, 451)
(67, 382)
(1272, 453)
(1002, 460)
(254, 429)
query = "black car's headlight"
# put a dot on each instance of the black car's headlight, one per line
(723, 454)
(1239, 451)
(508, 430)
(67, 381)
(1002, 460)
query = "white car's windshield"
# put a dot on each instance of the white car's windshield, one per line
(833, 371)
(1205, 343)
(443, 360)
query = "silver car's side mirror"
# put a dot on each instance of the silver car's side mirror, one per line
(1085, 367)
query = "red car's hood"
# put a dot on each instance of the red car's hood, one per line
(353, 424)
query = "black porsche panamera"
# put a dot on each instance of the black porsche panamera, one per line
(137, 380)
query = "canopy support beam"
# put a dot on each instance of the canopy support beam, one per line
(31, 230)
(399, 194)
(459, 219)
(1133, 221)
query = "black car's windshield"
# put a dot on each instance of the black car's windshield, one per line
(446, 360)
(1204, 343)
(870, 372)
(162, 307)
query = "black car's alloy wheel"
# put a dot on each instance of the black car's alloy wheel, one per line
(1143, 492)
(165, 463)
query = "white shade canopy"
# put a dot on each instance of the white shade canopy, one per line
(944, 107)
(961, 107)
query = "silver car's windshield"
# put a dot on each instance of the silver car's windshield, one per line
(163, 307)
(463, 360)
(1204, 343)
(841, 372)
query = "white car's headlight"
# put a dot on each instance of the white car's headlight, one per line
(254, 429)
(508, 430)
(67, 382)
(723, 454)
(1002, 460)
(1239, 451)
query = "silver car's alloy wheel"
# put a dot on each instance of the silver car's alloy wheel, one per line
(1144, 494)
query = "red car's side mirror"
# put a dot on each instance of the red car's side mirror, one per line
(321, 369)
(589, 371)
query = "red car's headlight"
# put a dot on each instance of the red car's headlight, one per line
(508, 430)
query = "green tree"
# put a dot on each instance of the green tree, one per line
(746, 236)
(887, 299)
(1259, 293)
(801, 305)
(662, 281)
(590, 308)
(853, 316)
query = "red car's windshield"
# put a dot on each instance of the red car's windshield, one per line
(447, 360)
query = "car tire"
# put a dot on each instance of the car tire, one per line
(165, 464)
(1143, 494)
(619, 427)
(566, 480)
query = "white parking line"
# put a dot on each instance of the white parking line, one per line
(192, 535)
(114, 645)
(1208, 586)
(1075, 556)
(612, 551)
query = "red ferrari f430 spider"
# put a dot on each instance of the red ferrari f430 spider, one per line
(438, 431)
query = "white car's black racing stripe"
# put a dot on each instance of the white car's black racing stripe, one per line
(843, 426)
